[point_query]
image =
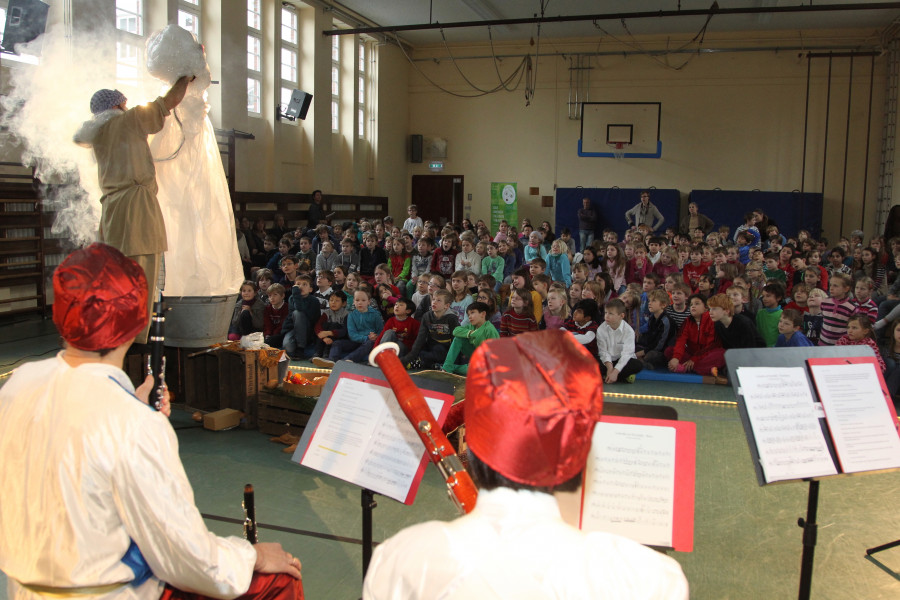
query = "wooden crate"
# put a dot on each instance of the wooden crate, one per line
(280, 413)
(223, 379)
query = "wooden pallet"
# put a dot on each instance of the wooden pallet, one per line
(279, 413)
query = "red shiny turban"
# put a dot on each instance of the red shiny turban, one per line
(531, 404)
(100, 298)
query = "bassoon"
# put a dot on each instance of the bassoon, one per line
(156, 361)
(460, 486)
(250, 532)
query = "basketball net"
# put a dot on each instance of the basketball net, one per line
(618, 149)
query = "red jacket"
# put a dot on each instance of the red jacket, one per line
(692, 273)
(696, 340)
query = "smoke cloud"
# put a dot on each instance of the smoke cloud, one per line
(47, 103)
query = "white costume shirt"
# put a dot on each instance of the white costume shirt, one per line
(88, 468)
(514, 544)
(615, 345)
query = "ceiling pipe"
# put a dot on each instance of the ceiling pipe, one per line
(714, 10)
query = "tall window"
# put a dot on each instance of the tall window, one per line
(189, 16)
(289, 53)
(361, 92)
(335, 81)
(254, 57)
(129, 42)
(130, 16)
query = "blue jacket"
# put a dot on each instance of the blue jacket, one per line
(558, 268)
(359, 324)
(307, 305)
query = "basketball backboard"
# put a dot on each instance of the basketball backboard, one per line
(634, 125)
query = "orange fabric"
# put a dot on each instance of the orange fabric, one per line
(263, 586)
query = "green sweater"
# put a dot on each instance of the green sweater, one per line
(487, 331)
(767, 323)
(493, 266)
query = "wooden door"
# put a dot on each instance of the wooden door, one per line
(439, 197)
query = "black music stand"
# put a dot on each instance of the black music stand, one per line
(792, 357)
(364, 373)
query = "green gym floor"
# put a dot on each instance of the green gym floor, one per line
(746, 540)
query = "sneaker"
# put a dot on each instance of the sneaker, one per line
(322, 362)
(414, 365)
(630, 379)
(437, 366)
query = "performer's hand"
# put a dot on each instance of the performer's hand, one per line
(271, 558)
(144, 391)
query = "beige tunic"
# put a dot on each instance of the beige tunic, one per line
(131, 220)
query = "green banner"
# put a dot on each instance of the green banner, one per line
(504, 205)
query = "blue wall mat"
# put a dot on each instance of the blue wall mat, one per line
(791, 211)
(611, 205)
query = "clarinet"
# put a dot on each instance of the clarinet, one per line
(460, 486)
(249, 515)
(156, 362)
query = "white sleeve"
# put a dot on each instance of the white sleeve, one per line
(627, 346)
(156, 504)
(603, 343)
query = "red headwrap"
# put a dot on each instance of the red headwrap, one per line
(100, 298)
(531, 404)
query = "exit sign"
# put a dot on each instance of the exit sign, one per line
(436, 165)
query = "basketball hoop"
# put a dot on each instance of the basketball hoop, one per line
(618, 149)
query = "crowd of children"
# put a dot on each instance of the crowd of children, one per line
(675, 301)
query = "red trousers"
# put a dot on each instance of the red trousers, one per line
(704, 362)
(263, 586)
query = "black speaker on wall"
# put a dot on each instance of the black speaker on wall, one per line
(298, 106)
(415, 148)
(25, 21)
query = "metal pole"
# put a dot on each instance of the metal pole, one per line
(862, 219)
(805, 126)
(827, 115)
(846, 144)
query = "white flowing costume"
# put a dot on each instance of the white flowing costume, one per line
(514, 544)
(202, 259)
(87, 469)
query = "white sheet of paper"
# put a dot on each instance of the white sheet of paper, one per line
(858, 416)
(630, 482)
(789, 439)
(364, 438)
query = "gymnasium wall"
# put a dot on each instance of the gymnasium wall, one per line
(730, 120)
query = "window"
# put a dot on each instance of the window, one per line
(254, 14)
(289, 25)
(189, 16)
(254, 57)
(289, 53)
(254, 95)
(130, 16)
(254, 53)
(335, 82)
(129, 59)
(2, 21)
(362, 89)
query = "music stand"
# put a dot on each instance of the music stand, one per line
(353, 441)
(787, 358)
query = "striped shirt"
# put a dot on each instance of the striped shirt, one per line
(867, 308)
(834, 323)
(513, 323)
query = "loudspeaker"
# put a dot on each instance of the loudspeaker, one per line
(25, 21)
(415, 148)
(298, 106)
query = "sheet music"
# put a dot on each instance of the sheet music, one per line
(788, 436)
(630, 482)
(858, 417)
(364, 438)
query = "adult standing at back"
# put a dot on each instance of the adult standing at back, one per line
(587, 224)
(645, 213)
(316, 210)
(694, 220)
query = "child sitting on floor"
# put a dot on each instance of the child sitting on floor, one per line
(468, 337)
(615, 345)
